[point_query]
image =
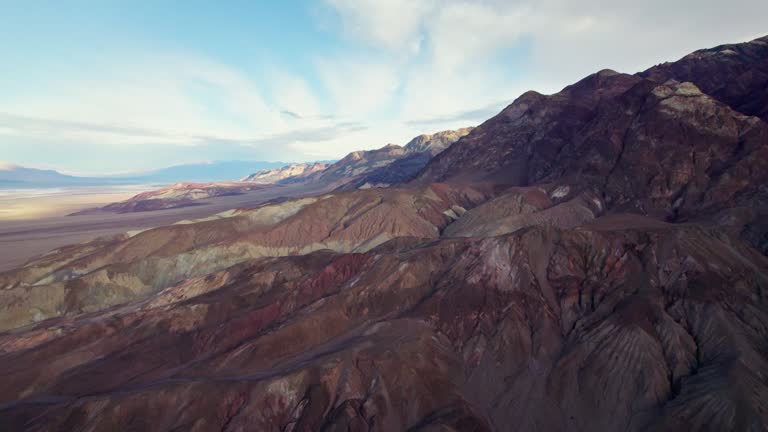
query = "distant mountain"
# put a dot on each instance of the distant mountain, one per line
(292, 172)
(390, 164)
(359, 163)
(15, 176)
(10, 173)
(385, 166)
(207, 171)
(418, 152)
(381, 167)
(183, 194)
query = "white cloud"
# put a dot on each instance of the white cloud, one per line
(467, 33)
(293, 95)
(169, 100)
(403, 67)
(359, 86)
(171, 97)
(461, 65)
(394, 25)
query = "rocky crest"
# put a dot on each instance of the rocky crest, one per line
(389, 165)
(437, 142)
(589, 260)
(288, 173)
(734, 74)
(383, 167)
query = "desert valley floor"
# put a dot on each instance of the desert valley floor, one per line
(25, 238)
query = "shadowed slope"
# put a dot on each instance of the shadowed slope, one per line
(735, 74)
(484, 332)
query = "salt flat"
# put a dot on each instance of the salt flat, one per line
(27, 204)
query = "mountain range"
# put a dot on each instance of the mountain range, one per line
(206, 171)
(593, 259)
(285, 174)
(17, 176)
(382, 167)
(14, 176)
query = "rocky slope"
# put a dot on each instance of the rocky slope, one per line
(665, 149)
(386, 166)
(648, 327)
(106, 272)
(288, 173)
(597, 264)
(735, 74)
(389, 165)
(437, 142)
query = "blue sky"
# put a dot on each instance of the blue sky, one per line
(112, 86)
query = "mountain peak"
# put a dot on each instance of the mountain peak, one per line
(606, 73)
(7, 166)
(436, 142)
(289, 172)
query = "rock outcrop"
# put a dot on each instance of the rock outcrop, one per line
(388, 166)
(734, 74)
(437, 142)
(287, 174)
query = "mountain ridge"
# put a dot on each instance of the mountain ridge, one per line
(364, 169)
(290, 173)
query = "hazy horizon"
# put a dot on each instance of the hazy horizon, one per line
(5, 165)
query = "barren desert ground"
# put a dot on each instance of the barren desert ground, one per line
(34, 222)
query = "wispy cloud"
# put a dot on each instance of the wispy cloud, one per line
(393, 69)
(310, 135)
(474, 115)
(173, 100)
(291, 114)
(12, 124)
(25, 126)
(463, 57)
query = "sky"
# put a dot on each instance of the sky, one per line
(107, 86)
